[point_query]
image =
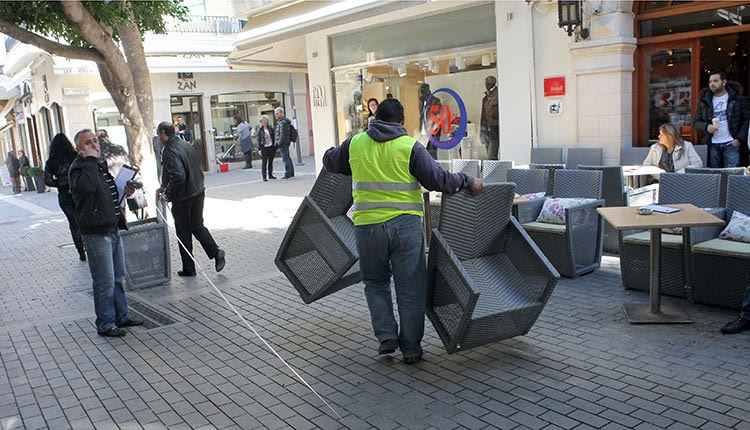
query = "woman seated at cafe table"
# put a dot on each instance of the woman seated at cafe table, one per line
(672, 154)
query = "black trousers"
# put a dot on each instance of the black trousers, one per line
(267, 165)
(249, 159)
(65, 200)
(188, 221)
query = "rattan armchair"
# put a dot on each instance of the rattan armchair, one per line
(494, 171)
(584, 156)
(470, 167)
(546, 155)
(699, 190)
(318, 253)
(721, 268)
(551, 168)
(574, 248)
(613, 193)
(725, 173)
(486, 279)
(528, 181)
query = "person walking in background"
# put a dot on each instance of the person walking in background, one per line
(61, 156)
(387, 167)
(267, 147)
(672, 154)
(100, 217)
(723, 116)
(183, 130)
(245, 140)
(283, 136)
(23, 161)
(14, 170)
(182, 184)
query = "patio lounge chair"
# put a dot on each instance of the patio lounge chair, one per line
(574, 248)
(721, 268)
(486, 279)
(318, 253)
(699, 190)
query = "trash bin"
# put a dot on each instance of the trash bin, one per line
(147, 256)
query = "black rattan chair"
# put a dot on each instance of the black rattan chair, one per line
(551, 176)
(494, 171)
(614, 195)
(470, 167)
(574, 248)
(318, 253)
(725, 173)
(486, 279)
(674, 188)
(528, 181)
(721, 268)
(584, 156)
(546, 155)
(633, 156)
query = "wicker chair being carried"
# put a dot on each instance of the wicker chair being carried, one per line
(574, 248)
(318, 253)
(486, 279)
(721, 268)
(699, 190)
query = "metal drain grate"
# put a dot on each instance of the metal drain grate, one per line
(152, 315)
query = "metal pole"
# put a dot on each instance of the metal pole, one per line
(294, 119)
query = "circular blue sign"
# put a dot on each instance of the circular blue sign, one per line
(437, 115)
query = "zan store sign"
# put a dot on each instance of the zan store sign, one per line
(186, 82)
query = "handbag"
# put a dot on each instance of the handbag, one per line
(137, 202)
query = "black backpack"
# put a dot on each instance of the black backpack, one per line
(293, 134)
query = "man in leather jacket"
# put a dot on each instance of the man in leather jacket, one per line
(99, 217)
(182, 184)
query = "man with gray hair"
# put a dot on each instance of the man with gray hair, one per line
(100, 218)
(283, 136)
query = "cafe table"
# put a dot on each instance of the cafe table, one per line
(628, 218)
(633, 174)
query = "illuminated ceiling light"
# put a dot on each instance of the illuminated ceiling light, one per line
(460, 64)
(434, 66)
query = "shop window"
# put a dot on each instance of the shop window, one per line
(703, 20)
(59, 123)
(411, 80)
(669, 87)
(249, 106)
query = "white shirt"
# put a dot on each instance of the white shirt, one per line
(720, 111)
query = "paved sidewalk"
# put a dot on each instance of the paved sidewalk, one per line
(196, 366)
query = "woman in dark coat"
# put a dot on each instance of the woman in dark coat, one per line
(61, 156)
(267, 147)
(15, 171)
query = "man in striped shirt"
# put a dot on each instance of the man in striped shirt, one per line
(100, 217)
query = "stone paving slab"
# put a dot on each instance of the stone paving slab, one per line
(581, 366)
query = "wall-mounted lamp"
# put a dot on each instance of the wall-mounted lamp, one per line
(570, 16)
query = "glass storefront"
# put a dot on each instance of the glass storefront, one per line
(249, 106)
(409, 61)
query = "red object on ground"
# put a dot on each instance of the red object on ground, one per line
(224, 166)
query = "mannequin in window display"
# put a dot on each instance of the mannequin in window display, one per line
(424, 95)
(489, 132)
(355, 111)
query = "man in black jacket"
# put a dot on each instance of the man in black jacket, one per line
(723, 115)
(182, 184)
(99, 217)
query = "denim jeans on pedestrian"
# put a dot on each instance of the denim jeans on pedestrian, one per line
(745, 310)
(288, 164)
(395, 247)
(107, 267)
(723, 155)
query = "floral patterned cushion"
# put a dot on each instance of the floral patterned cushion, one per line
(678, 230)
(553, 210)
(738, 228)
(534, 196)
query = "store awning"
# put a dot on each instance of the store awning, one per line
(4, 112)
(274, 37)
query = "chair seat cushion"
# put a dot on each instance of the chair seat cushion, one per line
(534, 196)
(723, 248)
(643, 238)
(553, 210)
(544, 227)
(738, 228)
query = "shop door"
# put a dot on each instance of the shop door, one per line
(667, 92)
(190, 108)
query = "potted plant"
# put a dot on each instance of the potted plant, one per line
(27, 179)
(38, 174)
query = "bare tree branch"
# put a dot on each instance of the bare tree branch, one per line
(50, 46)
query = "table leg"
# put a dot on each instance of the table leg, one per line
(654, 313)
(686, 263)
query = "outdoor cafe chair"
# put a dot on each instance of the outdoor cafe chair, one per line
(634, 156)
(551, 177)
(470, 167)
(486, 279)
(674, 188)
(585, 156)
(529, 181)
(318, 253)
(546, 155)
(614, 194)
(702, 151)
(725, 173)
(494, 171)
(575, 246)
(721, 267)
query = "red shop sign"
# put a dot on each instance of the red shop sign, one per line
(554, 86)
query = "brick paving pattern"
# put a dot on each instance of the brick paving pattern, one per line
(196, 366)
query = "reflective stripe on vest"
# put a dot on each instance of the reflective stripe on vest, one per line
(382, 186)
